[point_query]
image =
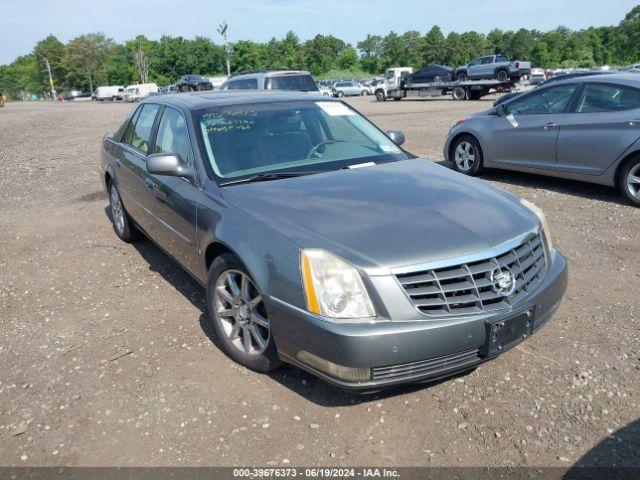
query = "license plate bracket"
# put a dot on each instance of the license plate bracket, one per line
(504, 334)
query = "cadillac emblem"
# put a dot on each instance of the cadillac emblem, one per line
(503, 281)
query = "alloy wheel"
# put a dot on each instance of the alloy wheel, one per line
(465, 156)
(633, 181)
(117, 210)
(241, 312)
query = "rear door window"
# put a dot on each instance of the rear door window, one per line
(243, 84)
(501, 58)
(487, 60)
(138, 132)
(607, 98)
(303, 83)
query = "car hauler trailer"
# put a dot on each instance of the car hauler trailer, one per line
(396, 87)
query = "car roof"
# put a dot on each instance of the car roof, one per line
(215, 98)
(630, 79)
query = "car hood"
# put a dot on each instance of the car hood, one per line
(386, 216)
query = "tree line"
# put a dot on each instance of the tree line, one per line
(91, 60)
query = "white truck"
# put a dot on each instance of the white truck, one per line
(108, 92)
(396, 86)
(134, 93)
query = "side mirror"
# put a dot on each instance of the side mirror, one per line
(396, 136)
(502, 110)
(168, 164)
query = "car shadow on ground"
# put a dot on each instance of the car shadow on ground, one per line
(590, 191)
(298, 381)
(616, 456)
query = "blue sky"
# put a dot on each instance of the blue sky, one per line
(24, 22)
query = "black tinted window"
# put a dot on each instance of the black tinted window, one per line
(501, 58)
(243, 84)
(138, 133)
(291, 82)
(549, 100)
(487, 60)
(608, 98)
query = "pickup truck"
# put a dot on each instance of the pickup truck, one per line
(493, 67)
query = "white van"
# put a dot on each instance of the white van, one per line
(133, 93)
(108, 92)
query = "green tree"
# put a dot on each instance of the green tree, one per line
(434, 49)
(370, 49)
(50, 49)
(348, 58)
(85, 57)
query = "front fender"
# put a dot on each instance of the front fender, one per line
(272, 260)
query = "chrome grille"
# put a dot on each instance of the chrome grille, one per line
(467, 288)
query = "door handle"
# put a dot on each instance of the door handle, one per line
(549, 125)
(149, 184)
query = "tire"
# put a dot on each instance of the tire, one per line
(397, 99)
(474, 95)
(363, 93)
(233, 317)
(380, 96)
(437, 79)
(340, 94)
(122, 224)
(461, 76)
(459, 93)
(466, 155)
(502, 76)
(629, 181)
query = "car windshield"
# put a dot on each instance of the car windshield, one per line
(299, 136)
(303, 83)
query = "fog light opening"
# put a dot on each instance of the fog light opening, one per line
(330, 368)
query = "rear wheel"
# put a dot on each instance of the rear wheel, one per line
(459, 93)
(502, 75)
(462, 76)
(629, 181)
(239, 315)
(122, 224)
(340, 93)
(466, 155)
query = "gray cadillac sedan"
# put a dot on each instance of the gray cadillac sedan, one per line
(322, 243)
(582, 128)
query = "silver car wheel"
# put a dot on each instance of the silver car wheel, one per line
(241, 313)
(633, 181)
(465, 156)
(117, 210)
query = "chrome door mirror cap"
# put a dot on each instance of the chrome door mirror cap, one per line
(168, 164)
(396, 136)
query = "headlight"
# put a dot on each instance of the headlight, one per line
(333, 287)
(543, 221)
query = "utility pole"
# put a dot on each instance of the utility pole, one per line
(222, 30)
(53, 90)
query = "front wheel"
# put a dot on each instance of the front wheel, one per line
(462, 77)
(239, 315)
(380, 96)
(340, 94)
(629, 183)
(466, 155)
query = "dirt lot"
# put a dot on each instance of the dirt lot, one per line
(106, 356)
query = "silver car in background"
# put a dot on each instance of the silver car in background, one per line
(585, 128)
(349, 89)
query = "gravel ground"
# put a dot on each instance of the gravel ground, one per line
(106, 357)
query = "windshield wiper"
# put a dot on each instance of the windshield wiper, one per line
(265, 177)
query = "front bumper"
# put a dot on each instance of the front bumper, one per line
(404, 351)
